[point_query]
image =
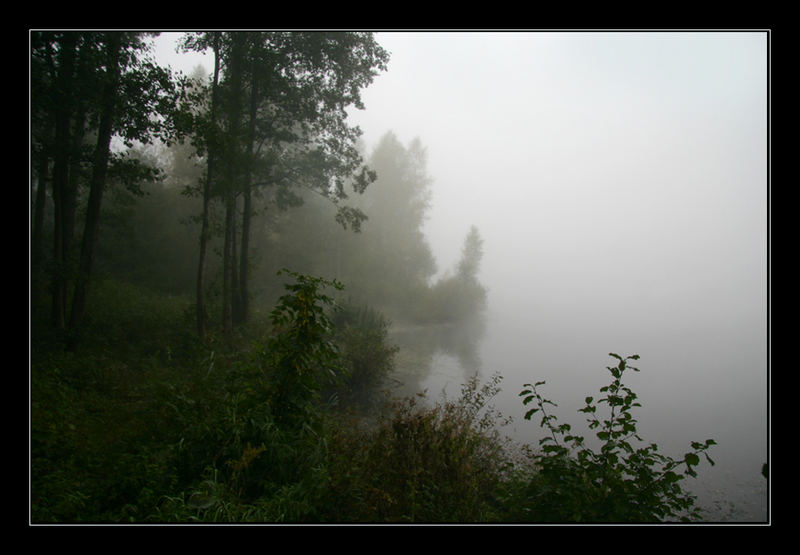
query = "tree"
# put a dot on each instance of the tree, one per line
(471, 254)
(461, 296)
(394, 262)
(282, 123)
(106, 109)
(389, 263)
(94, 86)
(206, 136)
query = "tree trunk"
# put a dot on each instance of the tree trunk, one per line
(244, 294)
(37, 230)
(230, 286)
(201, 311)
(227, 265)
(98, 179)
(64, 85)
(70, 199)
(236, 300)
(244, 300)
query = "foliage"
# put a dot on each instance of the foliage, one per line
(264, 452)
(390, 261)
(471, 255)
(361, 333)
(147, 424)
(456, 298)
(618, 483)
(277, 119)
(151, 239)
(302, 354)
(452, 299)
(100, 430)
(428, 464)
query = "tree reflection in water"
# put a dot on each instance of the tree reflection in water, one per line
(436, 356)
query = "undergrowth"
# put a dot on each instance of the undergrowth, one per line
(142, 424)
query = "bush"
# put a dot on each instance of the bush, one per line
(302, 355)
(429, 464)
(361, 334)
(453, 299)
(620, 483)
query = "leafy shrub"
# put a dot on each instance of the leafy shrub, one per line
(361, 334)
(264, 433)
(452, 299)
(303, 357)
(620, 483)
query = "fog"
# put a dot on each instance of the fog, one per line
(619, 181)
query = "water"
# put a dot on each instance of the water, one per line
(692, 386)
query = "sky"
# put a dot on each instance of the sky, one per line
(583, 149)
(613, 165)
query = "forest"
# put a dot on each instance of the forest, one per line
(216, 262)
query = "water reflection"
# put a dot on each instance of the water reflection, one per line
(436, 357)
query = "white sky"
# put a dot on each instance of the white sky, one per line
(573, 152)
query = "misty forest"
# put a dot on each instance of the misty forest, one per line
(237, 314)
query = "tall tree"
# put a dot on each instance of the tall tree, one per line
(471, 255)
(208, 140)
(389, 264)
(60, 103)
(398, 204)
(108, 101)
(462, 296)
(285, 126)
(95, 85)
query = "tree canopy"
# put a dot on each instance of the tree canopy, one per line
(277, 120)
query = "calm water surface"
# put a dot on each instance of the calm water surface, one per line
(693, 385)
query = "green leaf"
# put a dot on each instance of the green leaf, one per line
(589, 400)
(530, 413)
(691, 459)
